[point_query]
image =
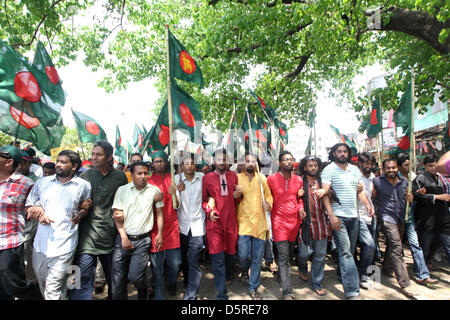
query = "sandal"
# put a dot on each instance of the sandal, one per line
(244, 279)
(302, 276)
(273, 267)
(407, 293)
(320, 292)
(289, 297)
(255, 295)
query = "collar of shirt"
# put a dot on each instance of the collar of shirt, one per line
(132, 186)
(14, 177)
(196, 177)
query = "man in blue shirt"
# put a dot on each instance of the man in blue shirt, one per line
(390, 197)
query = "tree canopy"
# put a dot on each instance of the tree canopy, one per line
(285, 50)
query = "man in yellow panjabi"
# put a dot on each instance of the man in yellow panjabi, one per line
(252, 223)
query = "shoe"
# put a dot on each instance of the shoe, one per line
(364, 285)
(255, 295)
(428, 281)
(173, 290)
(142, 294)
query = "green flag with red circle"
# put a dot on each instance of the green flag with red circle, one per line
(186, 116)
(182, 65)
(38, 85)
(375, 124)
(119, 149)
(88, 128)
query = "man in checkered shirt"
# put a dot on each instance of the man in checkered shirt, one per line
(14, 189)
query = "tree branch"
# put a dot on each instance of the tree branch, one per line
(299, 68)
(417, 24)
(37, 28)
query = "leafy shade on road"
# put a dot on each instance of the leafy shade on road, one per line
(291, 48)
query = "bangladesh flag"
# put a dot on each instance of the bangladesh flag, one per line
(182, 65)
(120, 150)
(88, 129)
(308, 148)
(272, 116)
(345, 139)
(402, 116)
(249, 127)
(376, 123)
(186, 116)
(404, 144)
(364, 125)
(312, 117)
(35, 88)
(17, 123)
(138, 139)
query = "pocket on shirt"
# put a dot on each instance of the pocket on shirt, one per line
(11, 197)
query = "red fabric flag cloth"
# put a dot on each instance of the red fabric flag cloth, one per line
(221, 235)
(284, 216)
(171, 233)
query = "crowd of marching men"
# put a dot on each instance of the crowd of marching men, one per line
(60, 219)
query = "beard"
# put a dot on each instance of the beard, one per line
(250, 169)
(391, 174)
(63, 174)
(311, 174)
(367, 170)
(341, 160)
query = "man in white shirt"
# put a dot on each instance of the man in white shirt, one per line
(133, 215)
(367, 224)
(55, 202)
(191, 219)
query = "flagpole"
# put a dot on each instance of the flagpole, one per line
(268, 222)
(78, 134)
(314, 125)
(382, 137)
(412, 143)
(169, 104)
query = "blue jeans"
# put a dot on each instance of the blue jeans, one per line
(88, 265)
(268, 251)
(420, 266)
(345, 240)
(173, 259)
(222, 264)
(251, 248)
(191, 248)
(318, 262)
(373, 227)
(367, 249)
(129, 265)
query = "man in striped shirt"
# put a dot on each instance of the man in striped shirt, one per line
(344, 178)
(55, 202)
(14, 189)
(316, 229)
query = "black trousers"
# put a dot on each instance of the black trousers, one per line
(12, 277)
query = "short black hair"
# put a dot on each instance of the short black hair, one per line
(106, 146)
(187, 156)
(139, 163)
(282, 153)
(305, 160)
(401, 158)
(73, 157)
(365, 157)
(429, 159)
(49, 165)
(221, 151)
(389, 160)
(335, 147)
(137, 154)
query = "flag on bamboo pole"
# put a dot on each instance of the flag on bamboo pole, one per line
(37, 85)
(138, 139)
(402, 116)
(312, 117)
(182, 65)
(345, 139)
(249, 127)
(88, 129)
(120, 150)
(186, 116)
(308, 148)
(375, 125)
(43, 137)
(403, 145)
